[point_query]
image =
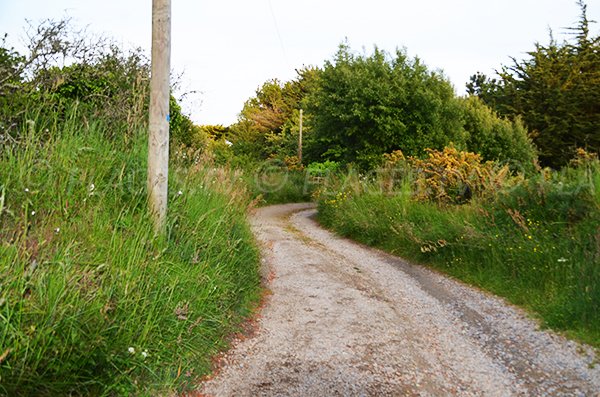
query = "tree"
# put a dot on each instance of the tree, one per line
(556, 91)
(64, 69)
(11, 83)
(365, 106)
(181, 127)
(10, 68)
(496, 138)
(268, 123)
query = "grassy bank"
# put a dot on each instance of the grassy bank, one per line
(272, 182)
(536, 243)
(90, 302)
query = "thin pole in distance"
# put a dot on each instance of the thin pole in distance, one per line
(300, 139)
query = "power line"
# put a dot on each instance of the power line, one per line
(278, 32)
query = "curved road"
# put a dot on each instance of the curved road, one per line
(347, 320)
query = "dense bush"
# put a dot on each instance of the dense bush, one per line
(497, 139)
(453, 176)
(364, 106)
(103, 81)
(324, 168)
(360, 107)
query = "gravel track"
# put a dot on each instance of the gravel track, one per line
(347, 320)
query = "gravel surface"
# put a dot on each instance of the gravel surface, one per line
(347, 320)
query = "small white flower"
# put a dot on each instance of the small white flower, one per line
(57, 230)
(131, 350)
(26, 190)
(562, 259)
(145, 353)
(32, 213)
(228, 143)
(179, 193)
(92, 187)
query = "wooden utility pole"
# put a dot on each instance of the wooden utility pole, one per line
(300, 140)
(160, 90)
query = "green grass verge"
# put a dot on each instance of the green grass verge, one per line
(537, 245)
(90, 302)
(279, 185)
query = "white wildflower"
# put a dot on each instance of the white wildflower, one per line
(131, 350)
(562, 259)
(228, 143)
(32, 213)
(57, 230)
(26, 190)
(179, 193)
(92, 187)
(145, 353)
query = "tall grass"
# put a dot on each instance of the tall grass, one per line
(272, 182)
(91, 303)
(537, 243)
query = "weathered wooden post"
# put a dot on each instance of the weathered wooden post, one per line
(160, 90)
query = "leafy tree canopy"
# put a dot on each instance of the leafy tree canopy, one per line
(268, 123)
(496, 138)
(364, 106)
(556, 91)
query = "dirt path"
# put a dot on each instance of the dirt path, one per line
(346, 320)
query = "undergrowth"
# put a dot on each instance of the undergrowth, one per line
(91, 303)
(273, 183)
(536, 241)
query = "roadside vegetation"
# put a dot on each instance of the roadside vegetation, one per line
(500, 188)
(91, 302)
(532, 240)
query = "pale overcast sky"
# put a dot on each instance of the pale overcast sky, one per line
(228, 48)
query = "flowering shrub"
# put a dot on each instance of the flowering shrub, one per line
(453, 176)
(583, 158)
(293, 163)
(395, 170)
(336, 200)
(394, 158)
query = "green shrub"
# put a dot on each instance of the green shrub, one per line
(321, 169)
(497, 139)
(361, 107)
(105, 83)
